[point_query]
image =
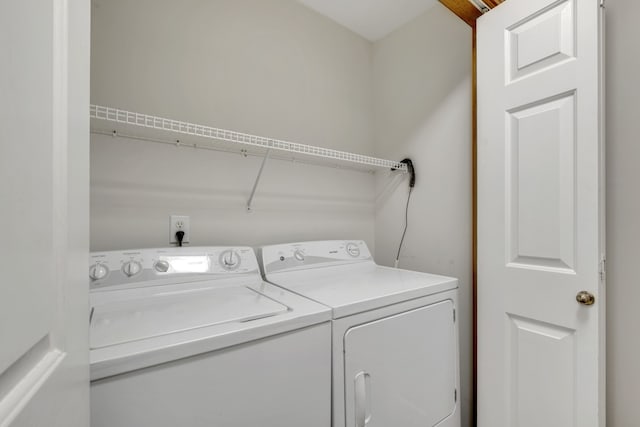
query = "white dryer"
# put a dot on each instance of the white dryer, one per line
(193, 337)
(395, 335)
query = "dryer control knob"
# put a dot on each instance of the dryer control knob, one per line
(98, 271)
(299, 255)
(229, 259)
(353, 250)
(131, 268)
(162, 266)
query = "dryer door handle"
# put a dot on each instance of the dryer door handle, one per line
(362, 398)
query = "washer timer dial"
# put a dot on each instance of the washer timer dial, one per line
(162, 266)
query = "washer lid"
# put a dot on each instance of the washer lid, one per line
(136, 319)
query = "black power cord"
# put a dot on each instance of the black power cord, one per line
(179, 237)
(412, 183)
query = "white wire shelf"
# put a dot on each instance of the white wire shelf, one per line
(146, 121)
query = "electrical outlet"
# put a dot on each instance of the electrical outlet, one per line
(178, 223)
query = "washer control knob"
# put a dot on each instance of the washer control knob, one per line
(162, 266)
(131, 268)
(299, 255)
(353, 250)
(98, 271)
(229, 259)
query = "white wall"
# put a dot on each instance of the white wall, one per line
(268, 67)
(623, 213)
(422, 81)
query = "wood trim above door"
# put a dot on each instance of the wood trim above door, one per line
(492, 3)
(466, 11)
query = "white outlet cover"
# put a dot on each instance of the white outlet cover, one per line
(178, 223)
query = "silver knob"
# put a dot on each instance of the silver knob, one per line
(353, 250)
(299, 255)
(229, 259)
(131, 268)
(98, 271)
(162, 266)
(585, 298)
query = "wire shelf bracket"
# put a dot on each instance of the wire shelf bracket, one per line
(255, 185)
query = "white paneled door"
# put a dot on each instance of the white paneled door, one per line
(540, 215)
(44, 160)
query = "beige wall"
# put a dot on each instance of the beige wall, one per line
(298, 76)
(268, 67)
(623, 213)
(275, 68)
(137, 185)
(422, 86)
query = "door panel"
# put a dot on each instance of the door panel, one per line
(401, 370)
(542, 373)
(31, 237)
(44, 130)
(540, 204)
(541, 40)
(541, 137)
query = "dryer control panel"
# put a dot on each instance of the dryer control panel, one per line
(142, 265)
(292, 256)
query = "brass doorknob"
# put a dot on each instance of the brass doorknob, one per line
(585, 298)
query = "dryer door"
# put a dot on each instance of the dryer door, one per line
(401, 370)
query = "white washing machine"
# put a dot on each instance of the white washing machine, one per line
(193, 337)
(395, 335)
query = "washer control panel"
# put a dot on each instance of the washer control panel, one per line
(127, 267)
(297, 255)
